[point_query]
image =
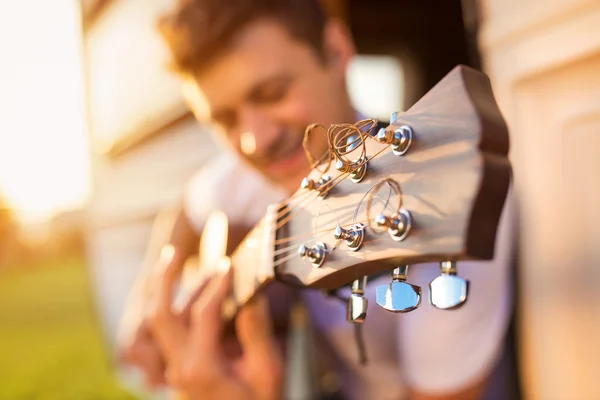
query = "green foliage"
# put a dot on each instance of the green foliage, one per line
(51, 346)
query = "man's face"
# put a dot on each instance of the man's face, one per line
(266, 89)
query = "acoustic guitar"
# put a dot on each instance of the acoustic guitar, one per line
(430, 187)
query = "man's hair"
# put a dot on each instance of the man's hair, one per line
(197, 31)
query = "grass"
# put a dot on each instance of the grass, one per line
(51, 346)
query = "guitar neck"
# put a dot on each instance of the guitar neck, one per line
(252, 262)
(251, 255)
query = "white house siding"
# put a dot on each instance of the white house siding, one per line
(128, 192)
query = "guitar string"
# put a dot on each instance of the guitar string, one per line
(376, 232)
(327, 187)
(334, 182)
(356, 210)
(290, 238)
(326, 155)
(322, 191)
(336, 134)
(305, 198)
(295, 247)
(283, 250)
(292, 255)
(392, 184)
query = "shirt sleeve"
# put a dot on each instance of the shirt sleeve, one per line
(232, 187)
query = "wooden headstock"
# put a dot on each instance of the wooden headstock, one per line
(454, 179)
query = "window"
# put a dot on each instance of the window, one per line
(376, 85)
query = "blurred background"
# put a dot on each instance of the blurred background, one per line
(95, 139)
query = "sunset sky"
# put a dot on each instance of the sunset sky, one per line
(44, 161)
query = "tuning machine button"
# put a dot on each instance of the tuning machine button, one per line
(316, 254)
(353, 237)
(310, 184)
(357, 170)
(448, 291)
(399, 296)
(356, 309)
(398, 225)
(399, 138)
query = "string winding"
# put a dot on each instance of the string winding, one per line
(347, 139)
(312, 161)
(393, 186)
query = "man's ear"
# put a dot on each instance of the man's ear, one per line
(338, 45)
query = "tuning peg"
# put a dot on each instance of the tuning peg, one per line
(307, 184)
(315, 254)
(448, 291)
(353, 237)
(310, 184)
(399, 296)
(357, 170)
(399, 138)
(398, 225)
(356, 310)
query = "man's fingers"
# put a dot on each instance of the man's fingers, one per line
(143, 352)
(186, 311)
(171, 266)
(255, 333)
(206, 315)
(200, 363)
(146, 356)
(168, 329)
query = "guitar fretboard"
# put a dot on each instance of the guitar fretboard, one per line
(252, 262)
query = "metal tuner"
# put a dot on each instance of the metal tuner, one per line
(316, 254)
(398, 225)
(399, 296)
(320, 186)
(399, 138)
(356, 310)
(353, 236)
(448, 291)
(357, 170)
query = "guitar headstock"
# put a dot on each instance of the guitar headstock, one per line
(447, 176)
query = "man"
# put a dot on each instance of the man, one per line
(261, 71)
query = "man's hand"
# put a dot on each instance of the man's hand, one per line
(196, 360)
(143, 352)
(139, 347)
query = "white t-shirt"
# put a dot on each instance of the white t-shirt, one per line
(226, 184)
(428, 349)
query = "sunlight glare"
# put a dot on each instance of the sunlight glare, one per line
(44, 159)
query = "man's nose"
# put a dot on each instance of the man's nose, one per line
(258, 131)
